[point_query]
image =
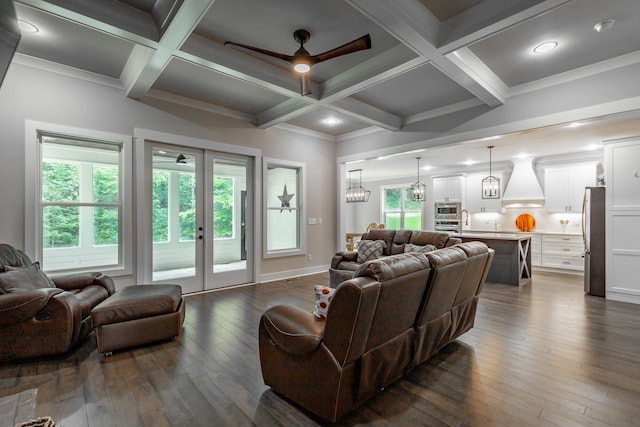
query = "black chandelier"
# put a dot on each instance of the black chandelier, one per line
(490, 184)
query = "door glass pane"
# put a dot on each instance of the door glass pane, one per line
(187, 206)
(229, 215)
(173, 212)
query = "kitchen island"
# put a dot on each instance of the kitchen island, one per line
(512, 260)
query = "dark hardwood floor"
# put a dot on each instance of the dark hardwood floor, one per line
(541, 354)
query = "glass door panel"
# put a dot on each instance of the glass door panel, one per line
(229, 222)
(176, 235)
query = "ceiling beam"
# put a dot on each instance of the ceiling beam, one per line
(119, 25)
(487, 18)
(175, 35)
(410, 22)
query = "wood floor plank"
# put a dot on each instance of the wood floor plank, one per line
(543, 354)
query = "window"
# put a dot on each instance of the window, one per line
(81, 203)
(284, 234)
(398, 210)
(77, 203)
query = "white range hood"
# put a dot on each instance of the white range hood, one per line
(523, 188)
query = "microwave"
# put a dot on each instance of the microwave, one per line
(447, 210)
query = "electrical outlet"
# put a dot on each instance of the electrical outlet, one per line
(309, 257)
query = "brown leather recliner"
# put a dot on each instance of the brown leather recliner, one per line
(41, 316)
(392, 315)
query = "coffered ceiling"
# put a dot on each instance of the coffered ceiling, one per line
(429, 58)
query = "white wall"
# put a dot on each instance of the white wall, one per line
(33, 94)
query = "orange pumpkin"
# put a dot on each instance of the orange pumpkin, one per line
(525, 222)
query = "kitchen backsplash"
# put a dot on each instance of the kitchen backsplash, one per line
(506, 221)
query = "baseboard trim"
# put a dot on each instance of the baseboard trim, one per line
(288, 274)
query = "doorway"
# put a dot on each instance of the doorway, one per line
(199, 206)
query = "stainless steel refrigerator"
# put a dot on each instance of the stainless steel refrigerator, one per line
(593, 229)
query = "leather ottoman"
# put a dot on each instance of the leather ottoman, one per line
(138, 315)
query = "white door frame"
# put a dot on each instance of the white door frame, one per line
(142, 197)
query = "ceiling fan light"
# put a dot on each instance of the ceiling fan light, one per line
(302, 67)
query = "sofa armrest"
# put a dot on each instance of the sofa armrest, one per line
(19, 306)
(294, 330)
(343, 256)
(82, 280)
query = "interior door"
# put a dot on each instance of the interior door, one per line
(200, 231)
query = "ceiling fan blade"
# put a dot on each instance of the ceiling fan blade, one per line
(287, 58)
(361, 43)
(305, 84)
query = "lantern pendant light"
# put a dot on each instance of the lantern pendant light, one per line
(357, 193)
(491, 184)
(418, 189)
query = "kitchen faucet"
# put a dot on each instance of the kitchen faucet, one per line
(466, 217)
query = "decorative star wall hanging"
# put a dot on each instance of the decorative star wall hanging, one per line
(285, 199)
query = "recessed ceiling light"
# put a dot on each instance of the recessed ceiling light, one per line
(604, 25)
(489, 138)
(545, 47)
(427, 168)
(469, 162)
(575, 125)
(331, 121)
(522, 155)
(27, 27)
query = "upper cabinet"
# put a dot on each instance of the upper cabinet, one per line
(623, 183)
(564, 186)
(448, 189)
(475, 202)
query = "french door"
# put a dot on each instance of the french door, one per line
(199, 235)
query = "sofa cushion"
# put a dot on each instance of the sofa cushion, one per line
(410, 247)
(324, 294)
(386, 235)
(438, 239)
(27, 278)
(370, 249)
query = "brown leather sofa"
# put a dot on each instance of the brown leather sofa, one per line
(395, 313)
(41, 316)
(345, 263)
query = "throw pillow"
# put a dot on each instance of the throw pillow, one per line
(323, 299)
(27, 278)
(370, 249)
(410, 247)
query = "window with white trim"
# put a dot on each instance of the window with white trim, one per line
(284, 231)
(399, 211)
(80, 203)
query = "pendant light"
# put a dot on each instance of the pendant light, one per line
(491, 184)
(418, 189)
(357, 193)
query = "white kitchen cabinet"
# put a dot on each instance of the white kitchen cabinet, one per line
(448, 189)
(622, 176)
(562, 251)
(536, 250)
(475, 202)
(564, 186)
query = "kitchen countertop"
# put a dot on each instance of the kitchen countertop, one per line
(491, 235)
(472, 231)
